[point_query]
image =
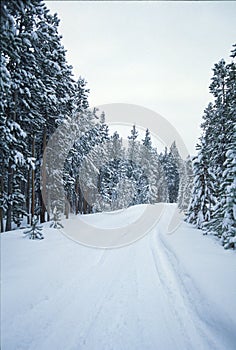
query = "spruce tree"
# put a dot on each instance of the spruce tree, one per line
(185, 185)
(36, 93)
(56, 220)
(35, 232)
(213, 200)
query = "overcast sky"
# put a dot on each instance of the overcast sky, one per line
(155, 54)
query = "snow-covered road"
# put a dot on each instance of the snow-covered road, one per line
(57, 294)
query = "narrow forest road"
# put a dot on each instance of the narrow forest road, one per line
(63, 296)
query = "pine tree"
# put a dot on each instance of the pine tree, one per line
(171, 169)
(185, 186)
(229, 199)
(37, 93)
(133, 146)
(229, 174)
(133, 170)
(202, 202)
(213, 201)
(146, 191)
(56, 220)
(177, 170)
(35, 231)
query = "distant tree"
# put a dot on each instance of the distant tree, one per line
(56, 220)
(185, 185)
(170, 164)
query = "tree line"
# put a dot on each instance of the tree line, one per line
(213, 204)
(39, 95)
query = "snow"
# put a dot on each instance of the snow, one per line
(19, 158)
(115, 219)
(165, 291)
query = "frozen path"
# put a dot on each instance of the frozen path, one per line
(57, 294)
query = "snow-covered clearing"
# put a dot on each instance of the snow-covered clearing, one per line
(164, 292)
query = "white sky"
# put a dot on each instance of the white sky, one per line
(155, 54)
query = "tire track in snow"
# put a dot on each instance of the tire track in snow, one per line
(157, 327)
(189, 324)
(137, 294)
(105, 294)
(121, 299)
(208, 328)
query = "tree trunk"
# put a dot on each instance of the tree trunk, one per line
(9, 207)
(1, 209)
(66, 209)
(1, 220)
(28, 197)
(85, 206)
(80, 200)
(43, 179)
(33, 183)
(76, 196)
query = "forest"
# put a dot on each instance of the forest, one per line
(45, 112)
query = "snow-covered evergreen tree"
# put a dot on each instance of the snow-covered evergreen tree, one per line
(35, 232)
(213, 199)
(169, 162)
(56, 220)
(133, 146)
(228, 201)
(185, 185)
(36, 94)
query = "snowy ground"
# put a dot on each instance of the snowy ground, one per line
(166, 292)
